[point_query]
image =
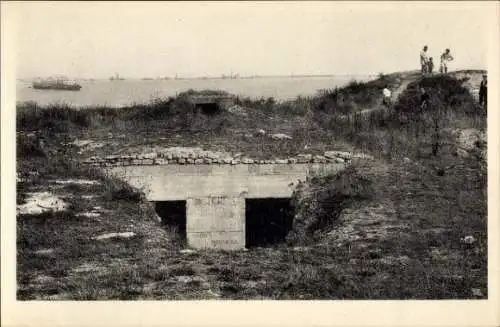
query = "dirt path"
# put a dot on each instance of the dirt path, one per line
(406, 80)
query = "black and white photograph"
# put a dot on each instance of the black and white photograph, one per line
(257, 151)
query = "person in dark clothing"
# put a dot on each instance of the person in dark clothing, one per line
(483, 91)
(424, 99)
(430, 66)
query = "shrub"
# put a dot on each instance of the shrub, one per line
(55, 117)
(29, 146)
(445, 92)
(116, 190)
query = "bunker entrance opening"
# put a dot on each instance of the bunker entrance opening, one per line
(173, 215)
(267, 221)
(208, 108)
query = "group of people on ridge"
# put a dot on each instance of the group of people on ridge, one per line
(427, 62)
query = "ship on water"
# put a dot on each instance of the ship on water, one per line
(116, 78)
(56, 84)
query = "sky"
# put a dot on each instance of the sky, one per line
(150, 39)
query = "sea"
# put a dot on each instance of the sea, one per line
(119, 93)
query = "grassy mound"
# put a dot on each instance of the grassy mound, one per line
(445, 92)
(52, 118)
(354, 96)
(319, 201)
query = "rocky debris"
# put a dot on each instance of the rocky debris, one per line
(198, 156)
(469, 239)
(338, 154)
(40, 202)
(238, 110)
(281, 136)
(114, 235)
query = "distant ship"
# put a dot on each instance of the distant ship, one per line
(116, 78)
(56, 84)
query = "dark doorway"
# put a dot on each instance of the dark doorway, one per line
(267, 221)
(208, 108)
(173, 215)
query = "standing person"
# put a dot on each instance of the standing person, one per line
(424, 60)
(483, 91)
(386, 100)
(445, 57)
(431, 65)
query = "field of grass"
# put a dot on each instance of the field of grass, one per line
(386, 229)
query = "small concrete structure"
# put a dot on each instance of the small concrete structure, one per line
(223, 102)
(215, 194)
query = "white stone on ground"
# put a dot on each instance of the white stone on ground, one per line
(40, 202)
(113, 235)
(88, 197)
(44, 251)
(281, 136)
(78, 181)
(89, 214)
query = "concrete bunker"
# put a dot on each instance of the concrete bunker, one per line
(173, 215)
(223, 206)
(267, 221)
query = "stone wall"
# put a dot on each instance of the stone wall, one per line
(197, 156)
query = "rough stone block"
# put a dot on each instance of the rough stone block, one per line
(151, 155)
(304, 158)
(160, 161)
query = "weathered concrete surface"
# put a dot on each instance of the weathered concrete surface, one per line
(181, 182)
(215, 194)
(216, 222)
